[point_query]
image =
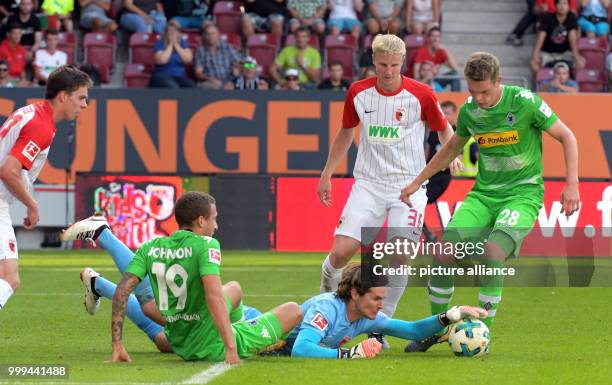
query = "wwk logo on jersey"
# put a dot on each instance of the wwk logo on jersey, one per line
(319, 322)
(383, 133)
(30, 151)
(214, 256)
(498, 139)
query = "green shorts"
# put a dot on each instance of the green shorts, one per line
(503, 220)
(256, 334)
(252, 336)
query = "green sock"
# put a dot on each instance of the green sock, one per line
(441, 288)
(490, 293)
(236, 314)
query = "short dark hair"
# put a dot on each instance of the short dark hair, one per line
(352, 279)
(13, 25)
(66, 78)
(432, 29)
(302, 29)
(449, 103)
(335, 63)
(192, 205)
(52, 32)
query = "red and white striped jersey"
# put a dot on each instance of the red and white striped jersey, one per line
(393, 127)
(27, 134)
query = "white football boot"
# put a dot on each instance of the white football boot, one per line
(87, 229)
(92, 300)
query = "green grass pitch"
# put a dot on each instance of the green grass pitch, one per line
(542, 335)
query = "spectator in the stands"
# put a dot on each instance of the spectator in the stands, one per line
(30, 27)
(171, 55)
(550, 7)
(143, 16)
(307, 13)
(47, 59)
(561, 81)
(384, 16)
(62, 8)
(335, 82)
(93, 16)
(557, 39)
(188, 13)
(422, 15)
(216, 61)
(343, 17)
(438, 55)
(426, 75)
(368, 73)
(535, 9)
(13, 52)
(593, 19)
(292, 81)
(301, 57)
(7, 8)
(264, 15)
(5, 80)
(248, 78)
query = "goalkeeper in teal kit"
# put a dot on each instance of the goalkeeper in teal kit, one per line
(507, 123)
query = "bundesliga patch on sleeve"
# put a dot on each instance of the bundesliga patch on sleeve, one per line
(319, 322)
(214, 256)
(30, 151)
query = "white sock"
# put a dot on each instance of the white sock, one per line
(5, 292)
(330, 276)
(395, 289)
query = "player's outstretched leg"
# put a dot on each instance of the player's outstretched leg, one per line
(97, 286)
(342, 251)
(441, 288)
(96, 229)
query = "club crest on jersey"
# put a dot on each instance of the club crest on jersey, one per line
(30, 151)
(319, 322)
(12, 244)
(401, 114)
(510, 118)
(214, 256)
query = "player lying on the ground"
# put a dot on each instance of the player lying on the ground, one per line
(331, 319)
(507, 122)
(141, 308)
(183, 269)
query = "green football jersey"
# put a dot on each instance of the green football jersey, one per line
(175, 265)
(509, 137)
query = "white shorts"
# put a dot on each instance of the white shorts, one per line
(369, 206)
(8, 242)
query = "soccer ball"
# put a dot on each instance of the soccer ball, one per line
(469, 338)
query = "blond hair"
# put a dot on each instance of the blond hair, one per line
(390, 44)
(482, 66)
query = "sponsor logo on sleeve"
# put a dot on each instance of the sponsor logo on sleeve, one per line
(214, 256)
(30, 151)
(495, 139)
(319, 322)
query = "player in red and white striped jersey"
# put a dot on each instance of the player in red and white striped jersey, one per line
(394, 112)
(25, 138)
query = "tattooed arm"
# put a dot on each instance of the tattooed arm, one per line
(120, 299)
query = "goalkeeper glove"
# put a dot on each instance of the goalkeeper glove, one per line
(365, 349)
(457, 313)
